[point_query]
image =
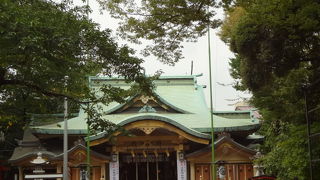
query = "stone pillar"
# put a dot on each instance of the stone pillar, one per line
(20, 173)
(192, 171)
(59, 171)
(258, 170)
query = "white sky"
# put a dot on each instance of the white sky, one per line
(223, 96)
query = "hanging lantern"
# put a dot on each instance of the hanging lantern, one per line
(114, 157)
(181, 155)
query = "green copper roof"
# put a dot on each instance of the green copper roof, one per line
(181, 92)
(157, 118)
(219, 141)
(158, 97)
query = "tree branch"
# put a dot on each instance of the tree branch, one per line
(37, 88)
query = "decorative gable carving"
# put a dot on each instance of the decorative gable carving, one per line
(147, 130)
(145, 104)
(145, 99)
(147, 108)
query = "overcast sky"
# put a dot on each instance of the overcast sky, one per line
(223, 96)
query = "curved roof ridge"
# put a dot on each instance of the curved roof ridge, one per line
(30, 154)
(160, 77)
(219, 141)
(232, 112)
(229, 139)
(155, 117)
(246, 127)
(156, 95)
(81, 146)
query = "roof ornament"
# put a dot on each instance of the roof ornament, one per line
(147, 108)
(224, 134)
(147, 130)
(145, 99)
(79, 142)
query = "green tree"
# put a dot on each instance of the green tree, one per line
(41, 43)
(276, 45)
(167, 23)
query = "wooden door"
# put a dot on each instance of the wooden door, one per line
(238, 171)
(74, 173)
(249, 171)
(230, 172)
(202, 172)
(242, 172)
(96, 173)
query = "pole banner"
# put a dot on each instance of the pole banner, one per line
(114, 170)
(182, 169)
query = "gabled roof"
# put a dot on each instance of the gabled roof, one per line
(181, 93)
(22, 153)
(28, 140)
(218, 142)
(82, 147)
(158, 98)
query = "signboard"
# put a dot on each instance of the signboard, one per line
(141, 158)
(182, 169)
(40, 176)
(114, 170)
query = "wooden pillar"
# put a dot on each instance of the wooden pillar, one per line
(192, 171)
(103, 171)
(77, 173)
(107, 175)
(20, 173)
(59, 170)
(245, 171)
(93, 171)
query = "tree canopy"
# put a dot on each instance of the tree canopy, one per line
(271, 38)
(276, 45)
(167, 23)
(42, 43)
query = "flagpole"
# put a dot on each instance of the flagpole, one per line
(88, 136)
(211, 107)
(65, 137)
(88, 127)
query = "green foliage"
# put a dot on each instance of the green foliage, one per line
(274, 37)
(282, 106)
(276, 45)
(232, 18)
(166, 23)
(288, 157)
(42, 43)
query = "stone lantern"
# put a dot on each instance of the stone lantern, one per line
(38, 162)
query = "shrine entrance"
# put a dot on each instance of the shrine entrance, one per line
(148, 167)
(151, 150)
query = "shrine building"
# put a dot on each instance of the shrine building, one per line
(169, 138)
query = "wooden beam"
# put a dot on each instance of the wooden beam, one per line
(147, 138)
